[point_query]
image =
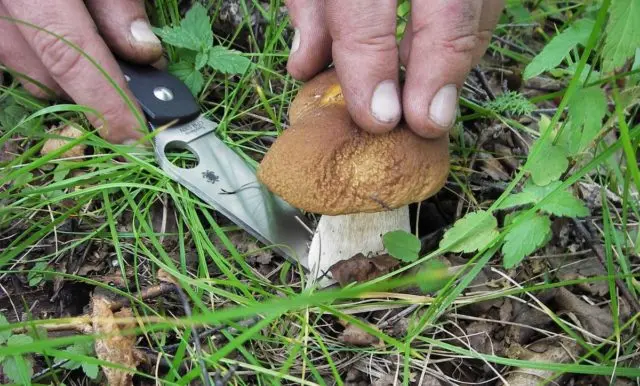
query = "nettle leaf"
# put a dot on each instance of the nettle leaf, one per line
(559, 47)
(548, 161)
(622, 33)
(201, 60)
(402, 245)
(524, 238)
(186, 72)
(194, 31)
(472, 232)
(228, 61)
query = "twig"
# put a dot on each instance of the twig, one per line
(484, 82)
(599, 251)
(146, 294)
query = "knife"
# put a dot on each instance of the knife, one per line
(221, 178)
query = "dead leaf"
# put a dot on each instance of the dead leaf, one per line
(360, 268)
(354, 335)
(53, 144)
(492, 167)
(547, 351)
(114, 347)
(596, 320)
(506, 157)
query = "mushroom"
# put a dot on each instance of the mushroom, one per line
(361, 183)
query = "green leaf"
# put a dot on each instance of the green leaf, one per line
(194, 31)
(228, 61)
(517, 199)
(622, 33)
(201, 60)
(18, 369)
(90, 370)
(525, 238)
(549, 161)
(186, 72)
(559, 47)
(434, 274)
(402, 245)
(19, 340)
(562, 203)
(4, 334)
(84, 348)
(472, 232)
(586, 111)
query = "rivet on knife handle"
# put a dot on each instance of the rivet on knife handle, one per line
(162, 96)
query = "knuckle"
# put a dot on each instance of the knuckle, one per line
(464, 44)
(56, 55)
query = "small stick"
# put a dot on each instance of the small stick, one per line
(484, 82)
(599, 251)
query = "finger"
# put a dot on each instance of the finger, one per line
(125, 28)
(444, 40)
(405, 44)
(365, 55)
(311, 44)
(491, 10)
(71, 70)
(16, 54)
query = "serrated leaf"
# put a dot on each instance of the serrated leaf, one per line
(19, 340)
(525, 238)
(4, 334)
(472, 232)
(18, 369)
(622, 33)
(559, 47)
(517, 199)
(194, 31)
(228, 61)
(586, 111)
(562, 203)
(186, 72)
(201, 60)
(84, 348)
(547, 161)
(402, 245)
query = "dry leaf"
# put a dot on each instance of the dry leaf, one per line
(356, 336)
(53, 144)
(492, 167)
(595, 319)
(114, 348)
(360, 268)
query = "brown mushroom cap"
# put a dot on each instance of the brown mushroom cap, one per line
(326, 164)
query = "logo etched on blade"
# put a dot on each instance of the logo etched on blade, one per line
(210, 176)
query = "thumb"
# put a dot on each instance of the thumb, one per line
(446, 38)
(365, 55)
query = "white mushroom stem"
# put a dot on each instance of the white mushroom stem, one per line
(341, 237)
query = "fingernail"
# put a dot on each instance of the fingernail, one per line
(385, 105)
(295, 43)
(443, 106)
(142, 33)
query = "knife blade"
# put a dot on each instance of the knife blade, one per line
(221, 178)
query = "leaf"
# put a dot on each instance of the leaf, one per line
(194, 31)
(84, 348)
(356, 336)
(470, 233)
(90, 370)
(562, 203)
(186, 72)
(525, 238)
(402, 245)
(586, 111)
(559, 47)
(4, 334)
(549, 161)
(19, 340)
(18, 369)
(201, 60)
(434, 274)
(228, 61)
(622, 33)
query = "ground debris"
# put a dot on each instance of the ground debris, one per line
(548, 351)
(356, 336)
(360, 268)
(112, 346)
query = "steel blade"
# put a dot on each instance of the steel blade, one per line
(228, 183)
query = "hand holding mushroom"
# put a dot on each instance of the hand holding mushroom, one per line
(442, 41)
(360, 182)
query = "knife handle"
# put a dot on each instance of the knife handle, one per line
(162, 96)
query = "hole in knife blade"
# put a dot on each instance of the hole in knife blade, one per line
(179, 154)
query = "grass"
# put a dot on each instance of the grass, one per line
(118, 204)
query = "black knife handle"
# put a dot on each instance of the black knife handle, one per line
(162, 96)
